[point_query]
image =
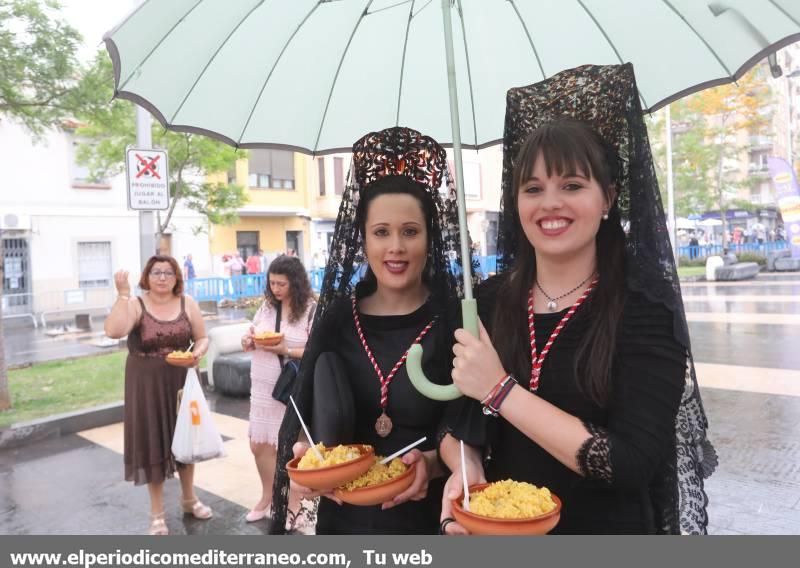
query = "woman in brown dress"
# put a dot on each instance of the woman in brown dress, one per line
(158, 322)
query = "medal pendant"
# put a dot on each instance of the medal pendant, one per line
(383, 426)
(552, 306)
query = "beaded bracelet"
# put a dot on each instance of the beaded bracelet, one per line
(492, 408)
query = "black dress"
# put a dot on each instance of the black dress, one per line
(633, 434)
(412, 414)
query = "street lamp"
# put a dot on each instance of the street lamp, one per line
(790, 76)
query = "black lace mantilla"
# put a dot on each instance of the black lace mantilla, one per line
(606, 98)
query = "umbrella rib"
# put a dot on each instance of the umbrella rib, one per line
(271, 71)
(403, 63)
(530, 39)
(700, 37)
(784, 12)
(469, 72)
(213, 57)
(390, 7)
(608, 40)
(157, 45)
(336, 76)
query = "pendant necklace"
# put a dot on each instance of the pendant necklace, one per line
(383, 426)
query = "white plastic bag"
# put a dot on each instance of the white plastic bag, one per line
(196, 437)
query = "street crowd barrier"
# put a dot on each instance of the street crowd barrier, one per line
(704, 251)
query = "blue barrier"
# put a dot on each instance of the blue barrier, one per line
(704, 251)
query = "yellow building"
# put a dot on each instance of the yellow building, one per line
(277, 216)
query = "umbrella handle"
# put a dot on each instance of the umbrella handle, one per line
(469, 315)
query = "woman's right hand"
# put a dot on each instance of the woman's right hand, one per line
(248, 343)
(121, 283)
(452, 490)
(304, 492)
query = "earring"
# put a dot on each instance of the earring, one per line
(605, 215)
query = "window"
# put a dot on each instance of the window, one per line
(321, 170)
(80, 173)
(94, 264)
(338, 176)
(259, 180)
(271, 169)
(758, 161)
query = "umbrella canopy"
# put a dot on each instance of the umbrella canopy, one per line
(710, 223)
(314, 75)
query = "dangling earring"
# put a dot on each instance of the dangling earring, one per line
(605, 215)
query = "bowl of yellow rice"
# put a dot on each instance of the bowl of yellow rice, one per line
(508, 508)
(340, 465)
(379, 484)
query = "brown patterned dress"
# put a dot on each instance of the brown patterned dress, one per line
(151, 396)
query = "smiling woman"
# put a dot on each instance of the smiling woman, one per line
(353, 386)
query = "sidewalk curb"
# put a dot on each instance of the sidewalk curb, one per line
(24, 433)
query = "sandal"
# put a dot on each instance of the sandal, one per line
(158, 525)
(196, 508)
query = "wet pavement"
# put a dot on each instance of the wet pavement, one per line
(748, 367)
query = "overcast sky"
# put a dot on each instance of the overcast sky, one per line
(93, 18)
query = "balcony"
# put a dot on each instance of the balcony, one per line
(760, 142)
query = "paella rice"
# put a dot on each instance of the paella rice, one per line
(331, 456)
(378, 473)
(512, 500)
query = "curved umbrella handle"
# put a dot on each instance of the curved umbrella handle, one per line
(469, 315)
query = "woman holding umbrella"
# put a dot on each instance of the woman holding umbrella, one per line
(400, 227)
(584, 382)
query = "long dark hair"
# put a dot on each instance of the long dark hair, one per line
(299, 287)
(394, 185)
(567, 146)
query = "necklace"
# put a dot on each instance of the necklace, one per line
(552, 303)
(383, 426)
(538, 361)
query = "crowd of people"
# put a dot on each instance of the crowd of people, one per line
(581, 378)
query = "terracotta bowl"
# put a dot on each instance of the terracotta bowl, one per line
(327, 478)
(479, 524)
(180, 361)
(270, 341)
(380, 492)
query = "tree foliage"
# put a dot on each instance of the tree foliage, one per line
(108, 129)
(706, 152)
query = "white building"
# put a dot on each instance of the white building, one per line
(63, 236)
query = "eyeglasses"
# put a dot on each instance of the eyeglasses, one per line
(160, 273)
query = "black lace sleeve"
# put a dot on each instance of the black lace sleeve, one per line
(646, 390)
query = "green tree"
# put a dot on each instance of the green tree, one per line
(40, 87)
(704, 141)
(109, 128)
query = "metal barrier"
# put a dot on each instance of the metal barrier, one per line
(704, 251)
(19, 306)
(79, 300)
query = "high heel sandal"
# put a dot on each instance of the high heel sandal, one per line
(196, 508)
(158, 526)
(257, 514)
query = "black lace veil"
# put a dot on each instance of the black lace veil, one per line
(393, 151)
(606, 98)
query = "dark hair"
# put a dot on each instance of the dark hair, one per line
(568, 147)
(299, 287)
(394, 185)
(144, 283)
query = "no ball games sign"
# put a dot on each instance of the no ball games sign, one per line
(148, 179)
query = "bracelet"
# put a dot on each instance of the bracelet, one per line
(492, 408)
(120, 297)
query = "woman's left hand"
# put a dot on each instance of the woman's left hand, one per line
(419, 488)
(476, 367)
(279, 349)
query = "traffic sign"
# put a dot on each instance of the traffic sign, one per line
(147, 175)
